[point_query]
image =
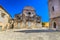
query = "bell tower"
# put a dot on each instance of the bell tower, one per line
(54, 8)
(54, 12)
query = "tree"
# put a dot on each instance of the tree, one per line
(43, 24)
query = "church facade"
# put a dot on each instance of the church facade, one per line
(54, 12)
(28, 19)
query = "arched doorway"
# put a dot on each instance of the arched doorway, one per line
(18, 25)
(29, 24)
(12, 26)
(54, 25)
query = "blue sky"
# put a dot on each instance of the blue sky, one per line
(15, 6)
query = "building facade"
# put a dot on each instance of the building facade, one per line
(54, 12)
(4, 19)
(28, 19)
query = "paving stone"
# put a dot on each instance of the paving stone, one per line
(10, 35)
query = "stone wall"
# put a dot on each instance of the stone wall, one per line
(27, 25)
(57, 21)
(4, 18)
(54, 8)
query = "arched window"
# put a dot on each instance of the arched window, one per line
(2, 14)
(53, 8)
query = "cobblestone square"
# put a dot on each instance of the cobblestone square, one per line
(10, 35)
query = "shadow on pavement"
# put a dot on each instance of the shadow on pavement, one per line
(37, 31)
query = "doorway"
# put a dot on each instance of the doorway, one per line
(12, 26)
(54, 25)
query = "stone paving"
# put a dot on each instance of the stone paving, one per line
(11, 35)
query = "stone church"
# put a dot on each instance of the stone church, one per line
(54, 12)
(28, 19)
